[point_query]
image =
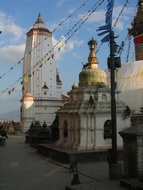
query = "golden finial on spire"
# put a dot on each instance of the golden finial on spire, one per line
(39, 19)
(92, 59)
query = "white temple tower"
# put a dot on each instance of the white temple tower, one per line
(40, 75)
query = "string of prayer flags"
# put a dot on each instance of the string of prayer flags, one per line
(70, 16)
(120, 13)
(121, 47)
(83, 19)
(46, 36)
(26, 79)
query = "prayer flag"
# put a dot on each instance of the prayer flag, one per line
(52, 56)
(26, 79)
(5, 95)
(9, 92)
(13, 89)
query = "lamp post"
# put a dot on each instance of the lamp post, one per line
(113, 99)
(115, 169)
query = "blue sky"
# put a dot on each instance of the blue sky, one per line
(17, 17)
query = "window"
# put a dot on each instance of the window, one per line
(107, 129)
(65, 129)
(104, 97)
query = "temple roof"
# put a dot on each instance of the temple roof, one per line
(45, 86)
(40, 25)
(28, 97)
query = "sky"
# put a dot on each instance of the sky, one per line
(17, 17)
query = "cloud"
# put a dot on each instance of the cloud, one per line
(60, 3)
(98, 17)
(63, 48)
(11, 54)
(124, 17)
(75, 54)
(51, 25)
(10, 30)
(72, 10)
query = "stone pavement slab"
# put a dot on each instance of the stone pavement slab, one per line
(23, 169)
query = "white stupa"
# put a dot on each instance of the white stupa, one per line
(85, 120)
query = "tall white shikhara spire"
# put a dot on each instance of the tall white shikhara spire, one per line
(40, 75)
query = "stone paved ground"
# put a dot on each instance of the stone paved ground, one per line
(22, 168)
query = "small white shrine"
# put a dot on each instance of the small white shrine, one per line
(85, 120)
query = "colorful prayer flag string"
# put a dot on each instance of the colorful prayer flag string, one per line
(44, 38)
(26, 78)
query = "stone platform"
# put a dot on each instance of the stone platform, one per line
(69, 155)
(131, 183)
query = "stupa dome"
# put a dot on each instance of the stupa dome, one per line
(92, 77)
(74, 86)
(91, 74)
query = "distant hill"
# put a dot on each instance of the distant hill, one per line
(11, 115)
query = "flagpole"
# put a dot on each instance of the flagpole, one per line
(113, 99)
(115, 169)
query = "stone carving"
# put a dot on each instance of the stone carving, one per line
(85, 66)
(91, 101)
(126, 113)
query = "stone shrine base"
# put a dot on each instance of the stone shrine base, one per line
(67, 156)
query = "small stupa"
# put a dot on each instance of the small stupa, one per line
(85, 120)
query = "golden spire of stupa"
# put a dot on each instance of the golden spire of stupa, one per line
(92, 59)
(39, 19)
